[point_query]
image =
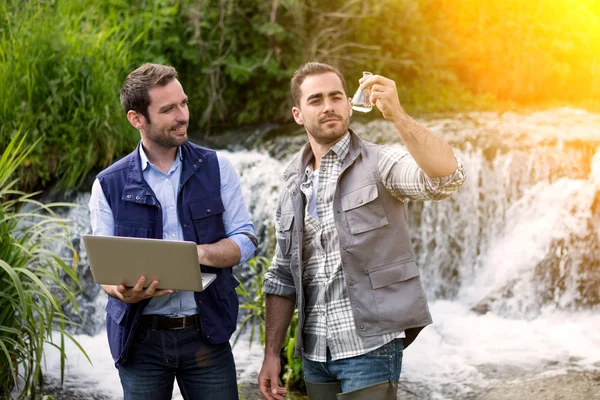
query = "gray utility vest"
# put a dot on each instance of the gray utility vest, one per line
(377, 256)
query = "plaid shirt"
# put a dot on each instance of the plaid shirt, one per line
(329, 319)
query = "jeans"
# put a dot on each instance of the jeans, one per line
(379, 365)
(203, 370)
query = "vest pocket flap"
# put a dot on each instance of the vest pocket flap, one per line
(131, 229)
(207, 207)
(359, 197)
(393, 273)
(115, 309)
(285, 222)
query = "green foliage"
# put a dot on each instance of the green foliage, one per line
(293, 374)
(32, 292)
(62, 63)
(532, 52)
(61, 67)
(253, 306)
(230, 54)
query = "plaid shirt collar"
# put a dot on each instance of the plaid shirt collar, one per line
(340, 150)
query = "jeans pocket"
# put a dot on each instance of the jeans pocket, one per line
(388, 351)
(141, 336)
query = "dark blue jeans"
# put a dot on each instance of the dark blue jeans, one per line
(203, 370)
(379, 365)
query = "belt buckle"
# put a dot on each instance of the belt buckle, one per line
(183, 325)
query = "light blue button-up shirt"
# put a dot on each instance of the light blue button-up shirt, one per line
(236, 220)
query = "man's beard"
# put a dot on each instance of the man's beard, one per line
(164, 138)
(318, 131)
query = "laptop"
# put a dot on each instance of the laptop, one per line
(118, 260)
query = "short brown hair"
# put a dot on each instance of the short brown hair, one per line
(309, 69)
(134, 93)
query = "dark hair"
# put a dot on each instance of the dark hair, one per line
(134, 93)
(309, 69)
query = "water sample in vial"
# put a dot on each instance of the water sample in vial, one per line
(360, 101)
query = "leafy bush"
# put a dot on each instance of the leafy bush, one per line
(32, 293)
(62, 65)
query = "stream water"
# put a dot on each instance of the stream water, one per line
(510, 263)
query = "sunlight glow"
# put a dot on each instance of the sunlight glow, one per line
(527, 50)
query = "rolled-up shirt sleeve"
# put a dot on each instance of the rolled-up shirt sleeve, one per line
(101, 215)
(278, 279)
(236, 218)
(404, 179)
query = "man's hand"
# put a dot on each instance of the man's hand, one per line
(268, 379)
(384, 95)
(137, 293)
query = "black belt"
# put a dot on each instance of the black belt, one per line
(161, 322)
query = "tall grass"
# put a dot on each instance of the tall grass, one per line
(31, 291)
(61, 67)
(253, 308)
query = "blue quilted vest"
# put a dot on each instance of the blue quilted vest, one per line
(137, 213)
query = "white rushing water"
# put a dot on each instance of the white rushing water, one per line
(447, 361)
(518, 243)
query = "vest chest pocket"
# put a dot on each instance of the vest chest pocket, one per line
(284, 233)
(207, 215)
(129, 229)
(363, 209)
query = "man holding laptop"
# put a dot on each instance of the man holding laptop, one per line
(168, 188)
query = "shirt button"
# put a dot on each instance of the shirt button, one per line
(323, 169)
(351, 283)
(320, 199)
(362, 327)
(208, 211)
(166, 179)
(172, 235)
(171, 207)
(137, 197)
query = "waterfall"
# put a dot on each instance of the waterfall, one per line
(521, 234)
(519, 241)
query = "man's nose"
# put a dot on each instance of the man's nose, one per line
(328, 106)
(182, 113)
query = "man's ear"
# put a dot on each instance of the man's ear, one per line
(297, 116)
(350, 106)
(136, 120)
